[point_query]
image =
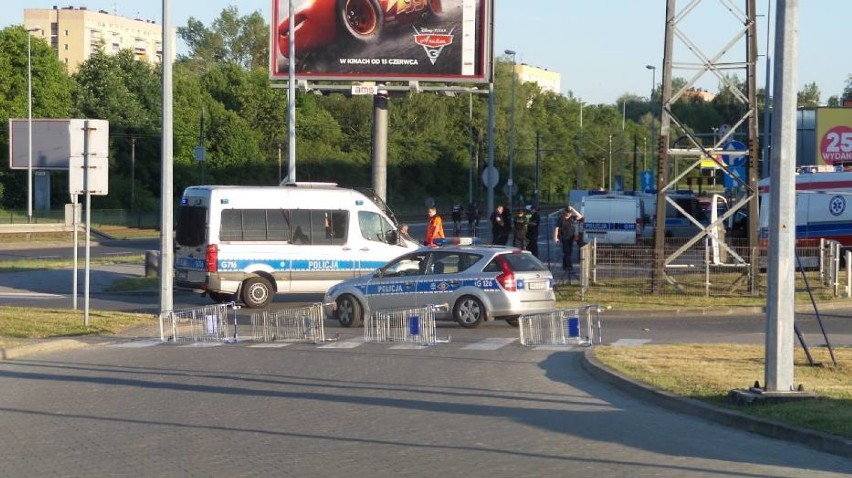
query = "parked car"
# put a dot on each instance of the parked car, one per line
(477, 283)
(318, 22)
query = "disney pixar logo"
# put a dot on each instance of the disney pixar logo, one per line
(433, 41)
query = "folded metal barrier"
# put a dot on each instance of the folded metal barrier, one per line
(296, 324)
(415, 325)
(573, 326)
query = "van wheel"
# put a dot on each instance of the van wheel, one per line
(257, 292)
(469, 312)
(349, 312)
(220, 297)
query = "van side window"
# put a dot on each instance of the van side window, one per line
(231, 225)
(374, 227)
(319, 227)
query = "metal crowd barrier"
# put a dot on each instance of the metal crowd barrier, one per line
(296, 324)
(414, 325)
(575, 326)
(201, 324)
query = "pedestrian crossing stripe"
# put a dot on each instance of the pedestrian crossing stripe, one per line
(408, 347)
(136, 344)
(491, 343)
(344, 344)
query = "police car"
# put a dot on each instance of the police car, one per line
(477, 283)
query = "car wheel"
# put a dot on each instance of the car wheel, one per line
(469, 312)
(257, 292)
(220, 297)
(349, 311)
(513, 321)
(361, 19)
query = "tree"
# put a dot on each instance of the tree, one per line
(242, 40)
(808, 96)
(51, 98)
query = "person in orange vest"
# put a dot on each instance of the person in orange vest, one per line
(434, 227)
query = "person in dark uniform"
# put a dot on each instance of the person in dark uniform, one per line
(457, 218)
(519, 225)
(500, 226)
(566, 233)
(473, 218)
(533, 219)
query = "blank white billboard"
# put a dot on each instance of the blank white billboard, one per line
(55, 141)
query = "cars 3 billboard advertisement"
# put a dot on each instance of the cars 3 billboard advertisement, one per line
(383, 40)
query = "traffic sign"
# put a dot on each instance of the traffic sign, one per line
(737, 159)
(490, 176)
(510, 191)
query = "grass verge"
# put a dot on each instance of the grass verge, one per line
(36, 264)
(18, 325)
(134, 284)
(629, 296)
(707, 372)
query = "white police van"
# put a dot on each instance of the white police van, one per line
(612, 219)
(248, 243)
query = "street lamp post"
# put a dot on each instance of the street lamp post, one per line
(30, 123)
(512, 136)
(651, 99)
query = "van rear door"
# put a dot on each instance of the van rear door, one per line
(191, 241)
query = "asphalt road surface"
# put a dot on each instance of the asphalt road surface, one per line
(476, 406)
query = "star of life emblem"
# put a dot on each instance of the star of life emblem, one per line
(433, 41)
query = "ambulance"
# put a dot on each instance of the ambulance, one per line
(247, 243)
(823, 206)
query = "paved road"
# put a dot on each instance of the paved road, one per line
(473, 407)
(481, 405)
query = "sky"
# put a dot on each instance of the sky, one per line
(600, 47)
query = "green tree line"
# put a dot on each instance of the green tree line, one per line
(223, 100)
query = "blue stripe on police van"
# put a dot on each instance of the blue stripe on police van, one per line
(299, 264)
(609, 226)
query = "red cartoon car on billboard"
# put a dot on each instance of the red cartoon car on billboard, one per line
(317, 23)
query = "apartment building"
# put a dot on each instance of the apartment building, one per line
(547, 80)
(76, 33)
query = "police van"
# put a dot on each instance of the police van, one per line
(247, 243)
(612, 219)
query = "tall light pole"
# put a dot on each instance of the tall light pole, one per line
(651, 99)
(30, 122)
(512, 137)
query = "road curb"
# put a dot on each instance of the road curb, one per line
(817, 440)
(19, 351)
(836, 304)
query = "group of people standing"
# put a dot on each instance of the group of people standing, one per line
(523, 227)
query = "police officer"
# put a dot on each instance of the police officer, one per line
(566, 233)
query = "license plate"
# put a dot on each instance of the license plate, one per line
(537, 285)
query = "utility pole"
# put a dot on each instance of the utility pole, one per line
(132, 173)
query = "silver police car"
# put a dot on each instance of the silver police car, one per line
(478, 283)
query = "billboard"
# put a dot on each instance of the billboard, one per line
(833, 135)
(54, 142)
(384, 40)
